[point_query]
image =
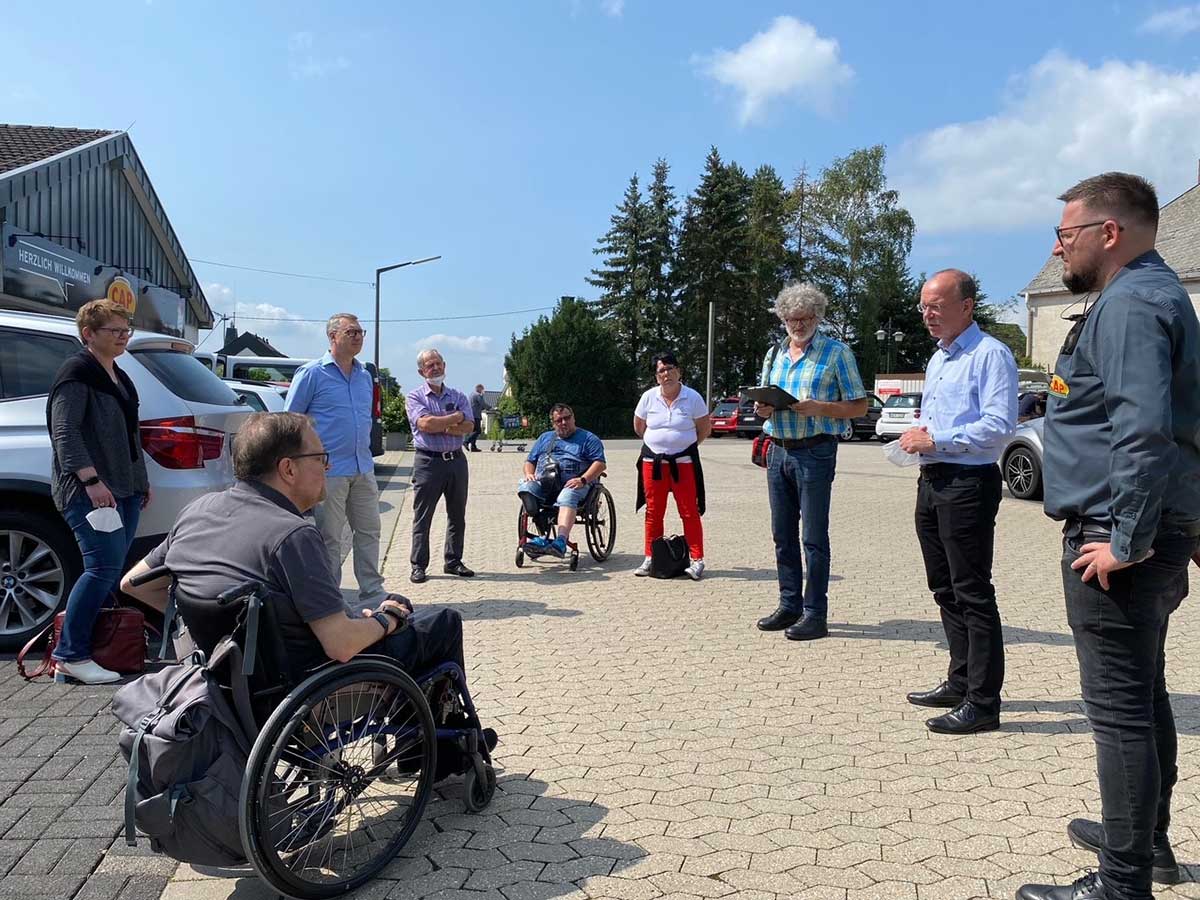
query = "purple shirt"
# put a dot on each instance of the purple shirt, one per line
(422, 401)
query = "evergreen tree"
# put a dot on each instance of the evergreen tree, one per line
(798, 239)
(623, 278)
(767, 227)
(572, 357)
(661, 309)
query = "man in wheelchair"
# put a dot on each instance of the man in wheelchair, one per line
(257, 531)
(561, 466)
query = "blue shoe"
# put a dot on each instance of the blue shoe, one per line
(537, 544)
(558, 547)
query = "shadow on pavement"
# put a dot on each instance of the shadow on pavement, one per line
(507, 608)
(525, 843)
(916, 630)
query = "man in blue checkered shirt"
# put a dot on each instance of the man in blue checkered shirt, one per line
(820, 372)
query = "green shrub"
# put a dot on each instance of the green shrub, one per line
(395, 415)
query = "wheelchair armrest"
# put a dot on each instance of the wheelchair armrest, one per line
(153, 575)
(237, 592)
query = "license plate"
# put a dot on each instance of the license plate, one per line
(748, 419)
(896, 415)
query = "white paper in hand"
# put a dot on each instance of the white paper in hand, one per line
(895, 454)
(104, 519)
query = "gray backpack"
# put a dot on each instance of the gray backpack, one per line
(187, 745)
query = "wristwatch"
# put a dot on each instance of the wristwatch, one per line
(383, 619)
(395, 616)
(95, 479)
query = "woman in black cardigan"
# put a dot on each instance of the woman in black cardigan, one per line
(92, 413)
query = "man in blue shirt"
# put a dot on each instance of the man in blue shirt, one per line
(1122, 471)
(968, 413)
(560, 466)
(337, 392)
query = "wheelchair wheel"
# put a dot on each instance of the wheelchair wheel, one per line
(337, 779)
(477, 794)
(520, 558)
(601, 524)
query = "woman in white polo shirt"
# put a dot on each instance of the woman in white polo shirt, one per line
(672, 420)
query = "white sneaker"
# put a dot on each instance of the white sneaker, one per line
(643, 569)
(85, 671)
(696, 569)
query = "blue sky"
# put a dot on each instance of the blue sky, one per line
(331, 139)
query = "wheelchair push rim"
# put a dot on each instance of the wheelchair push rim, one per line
(600, 524)
(322, 811)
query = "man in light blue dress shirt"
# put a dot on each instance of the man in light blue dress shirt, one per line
(337, 392)
(968, 413)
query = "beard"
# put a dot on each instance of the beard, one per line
(802, 337)
(1082, 281)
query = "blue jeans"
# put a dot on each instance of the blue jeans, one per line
(799, 483)
(103, 557)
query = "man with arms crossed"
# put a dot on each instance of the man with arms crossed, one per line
(968, 412)
(1122, 471)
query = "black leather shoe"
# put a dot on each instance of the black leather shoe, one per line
(942, 695)
(966, 718)
(778, 620)
(1088, 835)
(1086, 888)
(808, 628)
(418, 575)
(457, 568)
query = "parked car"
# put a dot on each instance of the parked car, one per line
(863, 427)
(749, 425)
(1021, 461)
(188, 417)
(725, 417)
(259, 395)
(900, 412)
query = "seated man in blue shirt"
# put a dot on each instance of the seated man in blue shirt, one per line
(560, 466)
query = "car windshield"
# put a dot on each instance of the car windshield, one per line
(725, 409)
(186, 377)
(903, 401)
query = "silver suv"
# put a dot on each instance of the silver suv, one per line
(188, 417)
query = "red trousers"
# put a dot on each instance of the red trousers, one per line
(685, 502)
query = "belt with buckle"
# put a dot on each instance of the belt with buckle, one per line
(444, 454)
(801, 443)
(934, 471)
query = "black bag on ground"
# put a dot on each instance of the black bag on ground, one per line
(669, 556)
(187, 748)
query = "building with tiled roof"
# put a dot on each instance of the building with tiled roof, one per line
(80, 220)
(1048, 301)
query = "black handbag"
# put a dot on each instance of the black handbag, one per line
(669, 556)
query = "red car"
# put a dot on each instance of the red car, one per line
(725, 417)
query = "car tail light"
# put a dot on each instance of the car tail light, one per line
(377, 402)
(179, 443)
(917, 413)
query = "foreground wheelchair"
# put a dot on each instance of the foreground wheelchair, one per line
(343, 757)
(597, 515)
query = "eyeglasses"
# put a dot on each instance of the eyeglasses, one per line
(324, 455)
(116, 332)
(354, 332)
(801, 320)
(1059, 232)
(934, 308)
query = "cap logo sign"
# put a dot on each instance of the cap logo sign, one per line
(122, 292)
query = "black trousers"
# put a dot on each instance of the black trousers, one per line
(471, 442)
(433, 478)
(1120, 636)
(431, 637)
(956, 527)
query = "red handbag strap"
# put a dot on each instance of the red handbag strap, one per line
(46, 667)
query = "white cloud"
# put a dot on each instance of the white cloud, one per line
(787, 61)
(475, 343)
(282, 328)
(1173, 22)
(613, 8)
(304, 63)
(1059, 122)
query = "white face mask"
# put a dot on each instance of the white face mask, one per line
(435, 380)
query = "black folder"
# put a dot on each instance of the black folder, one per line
(771, 395)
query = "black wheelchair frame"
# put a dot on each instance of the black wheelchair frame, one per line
(344, 756)
(597, 514)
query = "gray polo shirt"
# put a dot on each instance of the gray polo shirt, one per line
(251, 532)
(1122, 431)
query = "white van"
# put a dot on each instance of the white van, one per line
(188, 417)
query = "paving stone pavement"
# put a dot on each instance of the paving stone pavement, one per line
(655, 744)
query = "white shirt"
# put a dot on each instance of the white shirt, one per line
(670, 429)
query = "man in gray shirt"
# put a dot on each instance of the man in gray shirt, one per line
(478, 405)
(1122, 470)
(256, 531)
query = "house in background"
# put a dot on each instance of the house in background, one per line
(246, 344)
(1049, 302)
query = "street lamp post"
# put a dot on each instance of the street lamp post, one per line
(378, 273)
(890, 339)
